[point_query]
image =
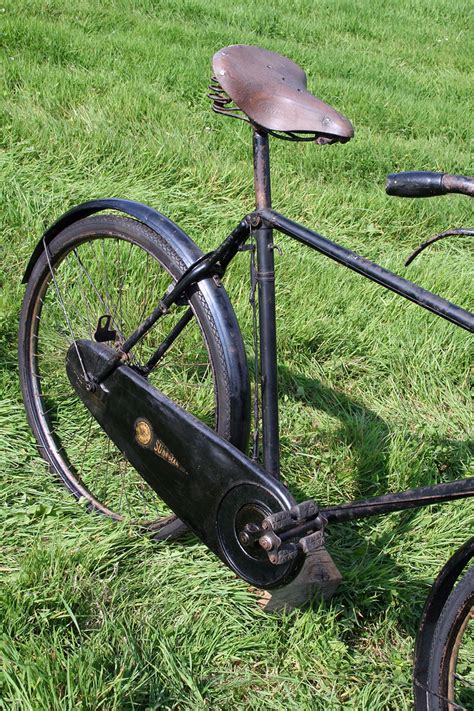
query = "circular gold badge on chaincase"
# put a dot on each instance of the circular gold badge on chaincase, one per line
(143, 432)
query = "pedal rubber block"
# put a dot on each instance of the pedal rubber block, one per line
(318, 578)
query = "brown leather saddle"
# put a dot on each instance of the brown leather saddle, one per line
(271, 91)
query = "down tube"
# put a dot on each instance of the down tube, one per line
(371, 270)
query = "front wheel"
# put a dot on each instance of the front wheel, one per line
(116, 266)
(450, 683)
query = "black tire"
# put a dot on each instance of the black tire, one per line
(203, 370)
(451, 665)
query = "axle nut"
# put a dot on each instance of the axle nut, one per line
(266, 543)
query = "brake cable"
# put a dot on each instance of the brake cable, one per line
(253, 304)
(458, 232)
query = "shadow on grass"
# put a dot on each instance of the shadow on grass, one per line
(362, 430)
(8, 345)
(372, 579)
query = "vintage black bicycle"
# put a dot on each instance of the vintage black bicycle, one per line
(136, 383)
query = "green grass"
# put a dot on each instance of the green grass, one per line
(110, 99)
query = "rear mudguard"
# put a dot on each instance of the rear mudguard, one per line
(439, 593)
(232, 355)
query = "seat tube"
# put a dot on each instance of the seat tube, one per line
(266, 308)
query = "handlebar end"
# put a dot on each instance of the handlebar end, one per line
(415, 184)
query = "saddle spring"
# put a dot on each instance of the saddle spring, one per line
(222, 103)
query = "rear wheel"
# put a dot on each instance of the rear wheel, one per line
(451, 664)
(119, 267)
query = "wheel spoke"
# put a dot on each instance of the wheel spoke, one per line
(46, 249)
(108, 273)
(106, 305)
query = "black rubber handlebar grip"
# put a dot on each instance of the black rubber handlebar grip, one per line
(415, 184)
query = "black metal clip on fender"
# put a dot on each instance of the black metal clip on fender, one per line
(212, 264)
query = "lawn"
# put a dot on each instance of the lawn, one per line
(109, 99)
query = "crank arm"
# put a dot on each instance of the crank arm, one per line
(210, 484)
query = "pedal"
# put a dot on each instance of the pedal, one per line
(288, 534)
(318, 578)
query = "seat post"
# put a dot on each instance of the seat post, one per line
(266, 307)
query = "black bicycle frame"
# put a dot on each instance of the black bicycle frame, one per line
(266, 290)
(266, 307)
(262, 222)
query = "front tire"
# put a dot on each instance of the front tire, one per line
(451, 665)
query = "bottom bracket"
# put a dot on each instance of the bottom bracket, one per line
(250, 504)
